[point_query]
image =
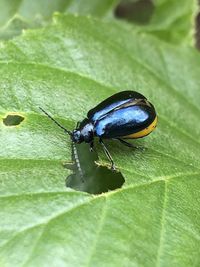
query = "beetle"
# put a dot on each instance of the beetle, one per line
(124, 115)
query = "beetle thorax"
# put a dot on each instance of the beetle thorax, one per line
(84, 133)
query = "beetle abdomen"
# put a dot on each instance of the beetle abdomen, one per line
(143, 132)
(125, 122)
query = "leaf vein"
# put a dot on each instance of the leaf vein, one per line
(162, 231)
(101, 223)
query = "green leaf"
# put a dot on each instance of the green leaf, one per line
(173, 21)
(176, 28)
(67, 68)
(100, 9)
(18, 15)
(16, 25)
(170, 20)
(29, 9)
(15, 16)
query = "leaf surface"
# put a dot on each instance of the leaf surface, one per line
(67, 68)
(173, 21)
(178, 27)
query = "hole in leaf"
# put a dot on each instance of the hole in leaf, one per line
(13, 120)
(197, 30)
(96, 179)
(139, 11)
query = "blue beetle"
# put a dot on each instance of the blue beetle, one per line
(125, 115)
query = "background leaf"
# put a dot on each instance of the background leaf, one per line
(170, 20)
(29, 9)
(67, 68)
(166, 19)
(16, 16)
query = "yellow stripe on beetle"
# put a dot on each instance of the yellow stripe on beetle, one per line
(144, 132)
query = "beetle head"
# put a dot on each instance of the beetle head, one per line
(77, 137)
(85, 133)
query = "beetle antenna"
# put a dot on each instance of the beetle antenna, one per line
(57, 123)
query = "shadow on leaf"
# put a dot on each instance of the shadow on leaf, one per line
(96, 179)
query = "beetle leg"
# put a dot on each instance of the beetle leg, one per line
(126, 143)
(107, 154)
(70, 166)
(78, 124)
(91, 146)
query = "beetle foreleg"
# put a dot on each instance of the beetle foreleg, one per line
(107, 154)
(78, 124)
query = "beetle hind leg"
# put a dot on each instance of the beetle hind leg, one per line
(107, 154)
(126, 143)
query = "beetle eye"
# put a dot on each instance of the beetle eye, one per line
(76, 136)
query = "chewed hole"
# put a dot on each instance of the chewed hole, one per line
(139, 11)
(13, 120)
(95, 179)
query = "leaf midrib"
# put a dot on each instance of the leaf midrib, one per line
(165, 178)
(101, 84)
